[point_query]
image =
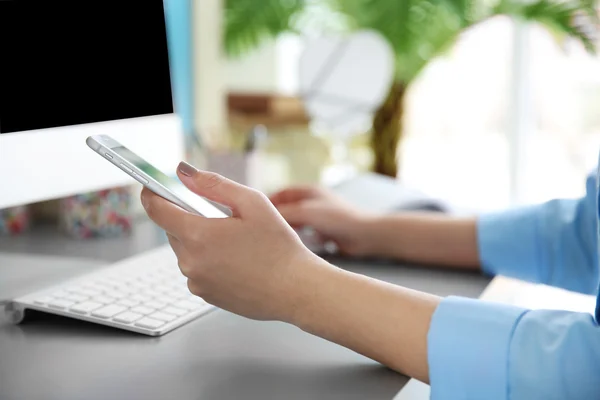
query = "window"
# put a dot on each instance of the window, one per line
(461, 112)
(563, 145)
(455, 145)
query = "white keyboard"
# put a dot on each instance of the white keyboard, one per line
(145, 294)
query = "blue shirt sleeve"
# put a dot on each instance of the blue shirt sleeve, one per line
(552, 243)
(482, 350)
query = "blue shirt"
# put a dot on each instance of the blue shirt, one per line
(480, 350)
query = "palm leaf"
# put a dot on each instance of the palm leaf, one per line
(560, 17)
(388, 17)
(249, 22)
(418, 30)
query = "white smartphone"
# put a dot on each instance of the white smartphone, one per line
(151, 177)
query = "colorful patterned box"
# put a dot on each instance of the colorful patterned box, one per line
(97, 214)
(14, 220)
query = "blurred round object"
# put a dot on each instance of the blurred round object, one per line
(344, 80)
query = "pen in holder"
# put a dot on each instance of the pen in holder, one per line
(249, 163)
(235, 161)
(234, 165)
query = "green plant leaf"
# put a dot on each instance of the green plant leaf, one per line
(418, 30)
(249, 22)
(560, 17)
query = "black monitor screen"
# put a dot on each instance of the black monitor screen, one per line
(69, 62)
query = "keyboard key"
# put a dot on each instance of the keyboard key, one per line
(150, 292)
(116, 294)
(101, 285)
(60, 294)
(182, 279)
(60, 303)
(149, 280)
(111, 282)
(97, 287)
(161, 288)
(140, 297)
(187, 305)
(163, 316)
(127, 317)
(173, 283)
(155, 304)
(76, 297)
(137, 285)
(165, 299)
(119, 276)
(195, 299)
(143, 310)
(43, 300)
(149, 323)
(104, 299)
(177, 294)
(174, 310)
(126, 280)
(125, 288)
(127, 302)
(109, 311)
(86, 307)
(181, 285)
(86, 292)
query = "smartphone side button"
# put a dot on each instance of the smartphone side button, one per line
(139, 178)
(126, 168)
(108, 156)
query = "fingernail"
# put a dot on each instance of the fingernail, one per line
(187, 169)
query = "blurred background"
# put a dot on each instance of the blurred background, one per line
(477, 104)
(501, 101)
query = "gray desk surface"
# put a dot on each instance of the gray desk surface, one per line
(219, 356)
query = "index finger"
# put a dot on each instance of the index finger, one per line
(293, 194)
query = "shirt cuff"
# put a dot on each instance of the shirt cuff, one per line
(507, 243)
(468, 348)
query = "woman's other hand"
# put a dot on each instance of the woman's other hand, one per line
(330, 216)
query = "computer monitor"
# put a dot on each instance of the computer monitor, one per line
(70, 69)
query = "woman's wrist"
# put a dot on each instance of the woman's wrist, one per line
(385, 322)
(428, 238)
(304, 288)
(373, 242)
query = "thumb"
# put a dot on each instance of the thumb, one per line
(214, 187)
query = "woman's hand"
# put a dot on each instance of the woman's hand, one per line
(426, 238)
(252, 264)
(332, 217)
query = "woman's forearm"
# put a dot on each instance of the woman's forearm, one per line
(382, 321)
(424, 238)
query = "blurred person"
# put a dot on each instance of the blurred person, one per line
(255, 265)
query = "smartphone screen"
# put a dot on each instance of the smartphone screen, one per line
(200, 204)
